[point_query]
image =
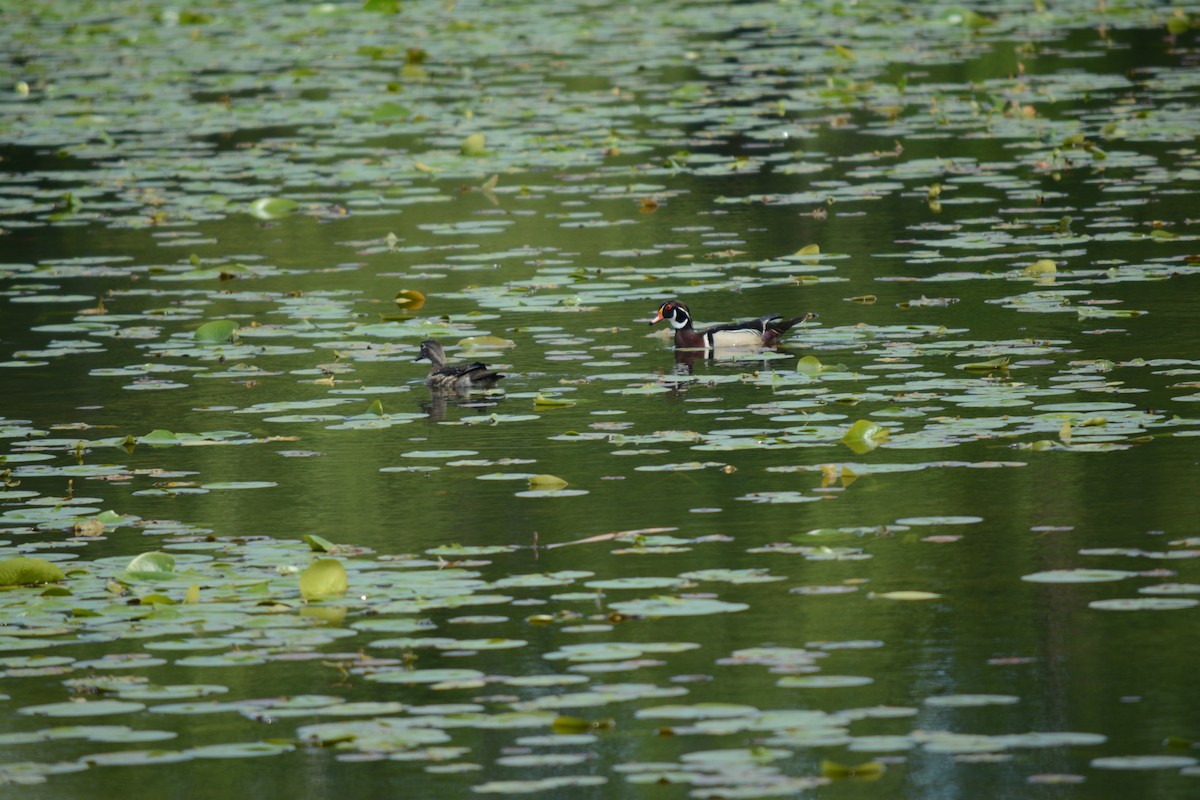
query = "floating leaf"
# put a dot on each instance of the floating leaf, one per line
(473, 145)
(159, 436)
(1077, 576)
(241, 750)
(698, 711)
(319, 544)
(238, 485)
(864, 436)
(556, 785)
(568, 725)
(219, 330)
(964, 519)
(546, 482)
(84, 708)
(1171, 588)
(23, 571)
(809, 365)
(906, 595)
(971, 700)
(991, 365)
(822, 681)
(135, 758)
(383, 6)
(389, 110)
(323, 578)
(147, 566)
(1143, 762)
(1144, 604)
(1040, 268)
(433, 676)
(676, 606)
(409, 299)
(547, 401)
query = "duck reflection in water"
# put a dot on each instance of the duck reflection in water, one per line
(737, 341)
(455, 382)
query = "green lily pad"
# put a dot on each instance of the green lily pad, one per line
(22, 571)
(1077, 576)
(822, 681)
(83, 708)
(238, 485)
(540, 785)
(666, 606)
(864, 436)
(241, 750)
(1144, 604)
(1144, 762)
(971, 700)
(322, 579)
(425, 675)
(216, 331)
(151, 567)
(697, 711)
(135, 758)
(473, 146)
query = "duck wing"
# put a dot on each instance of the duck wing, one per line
(477, 373)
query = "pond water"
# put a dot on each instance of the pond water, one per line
(940, 543)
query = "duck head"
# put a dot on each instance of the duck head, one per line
(432, 349)
(675, 312)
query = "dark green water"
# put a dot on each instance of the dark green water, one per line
(641, 153)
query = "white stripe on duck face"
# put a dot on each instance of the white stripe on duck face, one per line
(679, 318)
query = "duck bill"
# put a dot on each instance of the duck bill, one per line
(657, 318)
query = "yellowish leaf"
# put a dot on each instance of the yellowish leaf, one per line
(906, 595)
(409, 299)
(473, 145)
(1040, 268)
(546, 482)
(323, 578)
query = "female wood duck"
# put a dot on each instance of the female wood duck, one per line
(762, 332)
(454, 377)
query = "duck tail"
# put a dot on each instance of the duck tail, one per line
(777, 326)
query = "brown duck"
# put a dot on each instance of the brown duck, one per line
(762, 332)
(454, 377)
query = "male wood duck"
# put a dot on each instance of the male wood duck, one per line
(454, 377)
(762, 332)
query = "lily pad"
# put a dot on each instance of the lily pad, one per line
(1144, 604)
(84, 708)
(322, 579)
(23, 571)
(215, 332)
(666, 606)
(1144, 762)
(1078, 576)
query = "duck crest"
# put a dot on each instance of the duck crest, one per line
(766, 331)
